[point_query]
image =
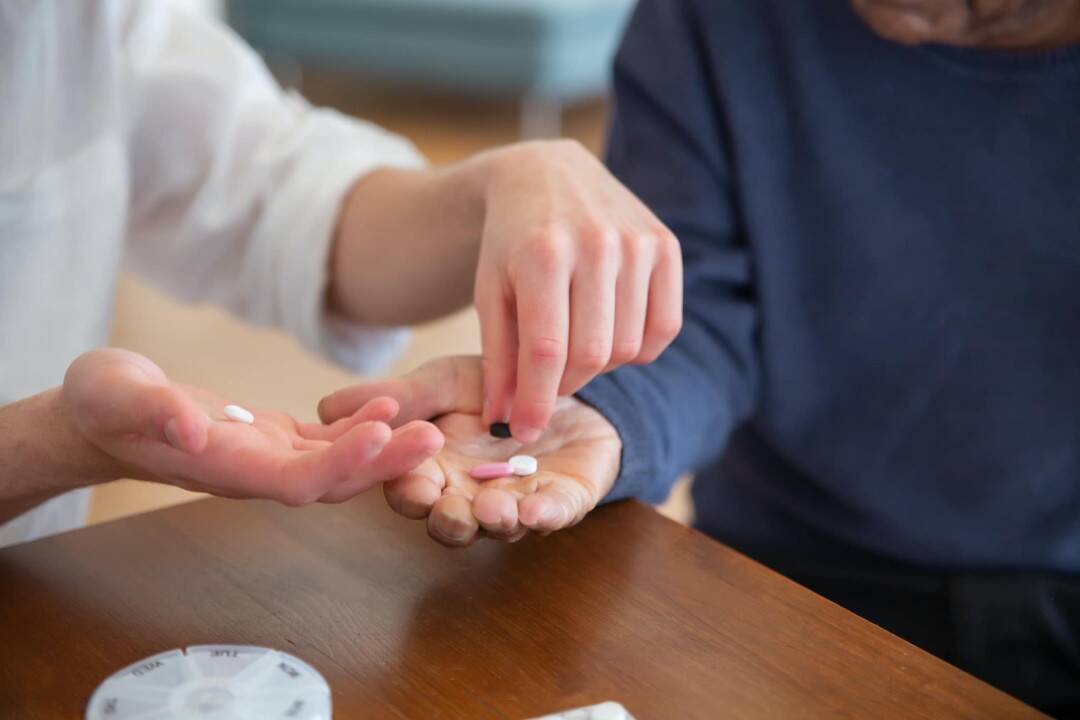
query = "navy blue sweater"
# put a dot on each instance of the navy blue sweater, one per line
(881, 349)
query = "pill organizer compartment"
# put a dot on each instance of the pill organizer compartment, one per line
(214, 682)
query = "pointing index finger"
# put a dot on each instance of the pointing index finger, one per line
(543, 298)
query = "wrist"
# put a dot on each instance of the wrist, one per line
(74, 459)
(43, 454)
(501, 169)
(475, 181)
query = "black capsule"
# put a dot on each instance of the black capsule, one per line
(501, 431)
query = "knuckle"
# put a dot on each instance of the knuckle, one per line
(295, 498)
(636, 246)
(592, 355)
(536, 410)
(624, 351)
(650, 352)
(599, 243)
(668, 330)
(646, 357)
(544, 251)
(668, 246)
(662, 233)
(546, 350)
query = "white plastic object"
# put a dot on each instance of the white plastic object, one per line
(214, 682)
(239, 414)
(524, 465)
(603, 711)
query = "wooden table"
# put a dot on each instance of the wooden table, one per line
(628, 606)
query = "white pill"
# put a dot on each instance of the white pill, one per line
(239, 414)
(523, 465)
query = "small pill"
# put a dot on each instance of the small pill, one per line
(524, 465)
(239, 414)
(501, 430)
(490, 471)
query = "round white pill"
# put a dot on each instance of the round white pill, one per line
(523, 465)
(239, 414)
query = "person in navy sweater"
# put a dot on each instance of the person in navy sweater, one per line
(878, 376)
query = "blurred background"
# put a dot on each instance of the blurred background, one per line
(454, 76)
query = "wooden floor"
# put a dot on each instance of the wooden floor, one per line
(267, 369)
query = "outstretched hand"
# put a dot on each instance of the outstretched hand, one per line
(578, 454)
(155, 429)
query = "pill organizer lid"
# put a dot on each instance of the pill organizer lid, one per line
(214, 682)
(603, 711)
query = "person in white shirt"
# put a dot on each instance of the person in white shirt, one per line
(133, 133)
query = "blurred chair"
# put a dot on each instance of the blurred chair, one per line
(544, 53)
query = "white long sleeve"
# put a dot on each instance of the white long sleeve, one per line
(236, 185)
(133, 131)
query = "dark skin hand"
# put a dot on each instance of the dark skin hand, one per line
(1011, 25)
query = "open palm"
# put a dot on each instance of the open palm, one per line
(578, 457)
(156, 429)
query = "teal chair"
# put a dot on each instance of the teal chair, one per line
(546, 53)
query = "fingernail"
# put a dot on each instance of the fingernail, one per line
(383, 439)
(435, 444)
(172, 434)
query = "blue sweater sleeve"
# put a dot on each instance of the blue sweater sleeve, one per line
(667, 145)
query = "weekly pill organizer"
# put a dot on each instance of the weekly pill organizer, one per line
(238, 682)
(222, 682)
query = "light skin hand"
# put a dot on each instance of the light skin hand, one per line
(130, 420)
(576, 277)
(578, 454)
(571, 274)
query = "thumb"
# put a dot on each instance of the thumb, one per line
(116, 393)
(452, 384)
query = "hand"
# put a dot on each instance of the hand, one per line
(155, 429)
(579, 457)
(576, 277)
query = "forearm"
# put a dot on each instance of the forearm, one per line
(43, 455)
(408, 241)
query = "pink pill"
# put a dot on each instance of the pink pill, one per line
(490, 471)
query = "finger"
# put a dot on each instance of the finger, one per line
(451, 521)
(496, 511)
(414, 494)
(592, 318)
(663, 320)
(138, 404)
(558, 504)
(342, 404)
(543, 300)
(435, 388)
(305, 445)
(631, 303)
(306, 478)
(498, 340)
(380, 409)
(409, 447)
